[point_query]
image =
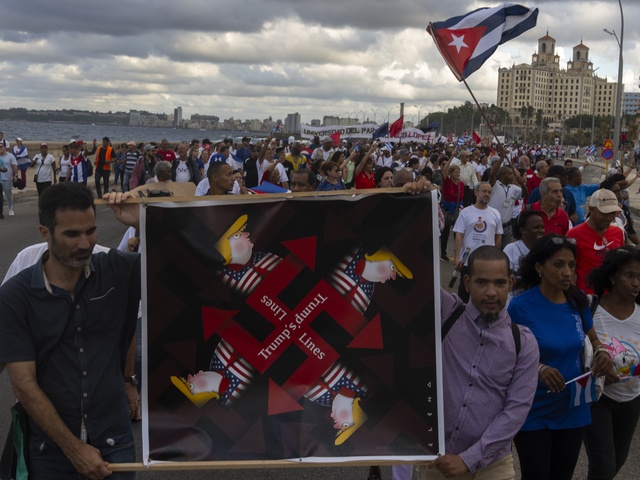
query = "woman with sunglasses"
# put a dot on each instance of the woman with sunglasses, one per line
(617, 319)
(558, 314)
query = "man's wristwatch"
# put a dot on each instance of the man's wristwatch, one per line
(133, 379)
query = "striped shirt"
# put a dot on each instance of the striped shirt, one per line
(487, 388)
(130, 160)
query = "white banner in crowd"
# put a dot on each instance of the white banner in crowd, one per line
(365, 131)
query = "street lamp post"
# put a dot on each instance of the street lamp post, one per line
(389, 112)
(616, 131)
(419, 111)
(442, 118)
(375, 111)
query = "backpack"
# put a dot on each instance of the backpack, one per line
(453, 318)
(89, 166)
(146, 173)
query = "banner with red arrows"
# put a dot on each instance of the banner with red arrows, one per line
(291, 329)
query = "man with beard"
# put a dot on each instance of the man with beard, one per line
(477, 225)
(489, 371)
(66, 325)
(143, 170)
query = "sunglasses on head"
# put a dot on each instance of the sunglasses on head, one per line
(560, 241)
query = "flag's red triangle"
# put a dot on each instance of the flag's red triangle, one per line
(214, 318)
(304, 249)
(457, 46)
(280, 401)
(370, 336)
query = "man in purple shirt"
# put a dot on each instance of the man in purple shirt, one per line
(488, 384)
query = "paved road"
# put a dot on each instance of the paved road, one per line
(20, 231)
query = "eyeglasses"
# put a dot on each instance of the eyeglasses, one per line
(560, 241)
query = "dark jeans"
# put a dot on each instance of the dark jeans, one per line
(102, 176)
(118, 175)
(42, 186)
(469, 196)
(549, 454)
(47, 462)
(609, 436)
(449, 221)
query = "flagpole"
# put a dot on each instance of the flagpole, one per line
(486, 120)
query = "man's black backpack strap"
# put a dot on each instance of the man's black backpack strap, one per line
(515, 330)
(453, 318)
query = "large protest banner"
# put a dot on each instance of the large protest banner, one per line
(366, 131)
(300, 328)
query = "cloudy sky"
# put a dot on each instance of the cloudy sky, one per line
(260, 58)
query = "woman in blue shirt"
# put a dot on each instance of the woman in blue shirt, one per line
(333, 177)
(558, 314)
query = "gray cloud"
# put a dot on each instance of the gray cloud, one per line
(252, 59)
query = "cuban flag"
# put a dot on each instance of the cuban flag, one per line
(582, 390)
(591, 150)
(467, 41)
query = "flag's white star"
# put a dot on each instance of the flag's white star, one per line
(458, 42)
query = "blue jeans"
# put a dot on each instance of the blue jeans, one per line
(127, 177)
(118, 175)
(48, 462)
(6, 187)
(609, 436)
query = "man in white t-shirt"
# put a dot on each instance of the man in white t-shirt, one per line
(477, 225)
(323, 153)
(505, 195)
(45, 167)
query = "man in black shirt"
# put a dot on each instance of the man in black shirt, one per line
(66, 327)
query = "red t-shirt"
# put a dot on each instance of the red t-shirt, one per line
(591, 249)
(533, 183)
(363, 181)
(558, 223)
(167, 155)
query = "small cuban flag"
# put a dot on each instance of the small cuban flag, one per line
(591, 150)
(582, 390)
